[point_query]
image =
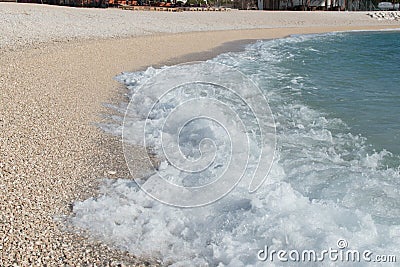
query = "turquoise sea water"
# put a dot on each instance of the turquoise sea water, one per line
(336, 176)
(354, 77)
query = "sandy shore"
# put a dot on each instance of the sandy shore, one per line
(56, 70)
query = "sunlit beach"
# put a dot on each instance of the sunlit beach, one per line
(199, 134)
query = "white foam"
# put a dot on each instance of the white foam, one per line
(325, 184)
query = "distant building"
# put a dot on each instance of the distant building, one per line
(299, 4)
(351, 5)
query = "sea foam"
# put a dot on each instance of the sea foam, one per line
(325, 184)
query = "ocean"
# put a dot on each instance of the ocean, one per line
(331, 165)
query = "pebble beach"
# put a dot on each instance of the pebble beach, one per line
(57, 66)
